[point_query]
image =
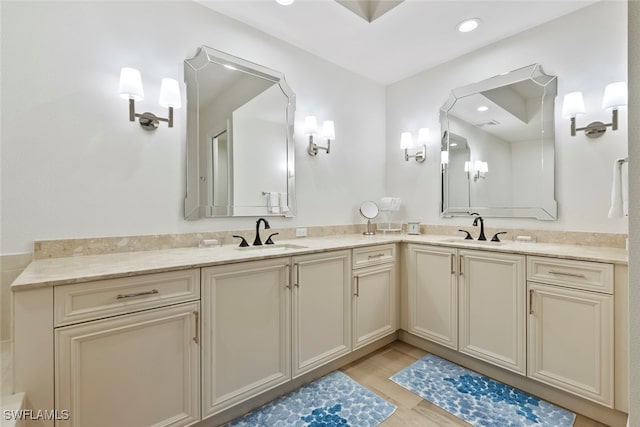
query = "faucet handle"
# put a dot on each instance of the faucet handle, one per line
(269, 241)
(243, 243)
(468, 237)
(495, 236)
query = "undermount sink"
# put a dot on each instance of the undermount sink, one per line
(470, 242)
(277, 247)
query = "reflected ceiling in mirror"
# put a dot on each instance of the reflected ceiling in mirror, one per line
(240, 150)
(498, 147)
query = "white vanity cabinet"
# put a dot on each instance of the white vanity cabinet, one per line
(321, 309)
(433, 294)
(472, 301)
(374, 294)
(571, 321)
(492, 303)
(134, 359)
(246, 331)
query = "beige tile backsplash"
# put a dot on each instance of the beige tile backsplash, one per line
(105, 245)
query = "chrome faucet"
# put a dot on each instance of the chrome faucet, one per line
(475, 224)
(257, 241)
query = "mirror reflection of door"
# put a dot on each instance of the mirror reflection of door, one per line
(459, 154)
(220, 187)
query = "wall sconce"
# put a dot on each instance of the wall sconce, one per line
(615, 96)
(311, 129)
(478, 168)
(406, 142)
(131, 89)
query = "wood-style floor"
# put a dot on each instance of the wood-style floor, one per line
(374, 371)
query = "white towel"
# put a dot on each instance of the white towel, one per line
(284, 205)
(273, 202)
(617, 203)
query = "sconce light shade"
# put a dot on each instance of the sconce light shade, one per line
(131, 84)
(406, 141)
(328, 130)
(615, 95)
(423, 135)
(572, 105)
(170, 93)
(310, 125)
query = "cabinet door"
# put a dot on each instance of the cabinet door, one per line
(134, 370)
(433, 294)
(246, 331)
(492, 308)
(571, 340)
(321, 309)
(374, 303)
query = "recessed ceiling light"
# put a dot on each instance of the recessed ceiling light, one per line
(285, 2)
(483, 108)
(468, 25)
(453, 144)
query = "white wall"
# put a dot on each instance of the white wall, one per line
(72, 165)
(586, 50)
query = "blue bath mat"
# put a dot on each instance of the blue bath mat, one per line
(477, 399)
(332, 401)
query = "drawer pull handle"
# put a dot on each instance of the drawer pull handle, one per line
(376, 256)
(562, 273)
(138, 294)
(453, 268)
(357, 292)
(196, 339)
(287, 274)
(531, 301)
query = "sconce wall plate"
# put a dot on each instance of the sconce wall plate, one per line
(420, 155)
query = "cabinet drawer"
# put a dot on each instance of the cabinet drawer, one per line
(594, 276)
(372, 255)
(103, 298)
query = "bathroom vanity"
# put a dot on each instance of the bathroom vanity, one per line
(173, 337)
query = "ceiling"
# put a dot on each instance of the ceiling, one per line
(403, 37)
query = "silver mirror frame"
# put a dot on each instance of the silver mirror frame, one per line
(534, 73)
(193, 207)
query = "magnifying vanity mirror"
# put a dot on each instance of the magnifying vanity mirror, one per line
(240, 148)
(369, 210)
(497, 143)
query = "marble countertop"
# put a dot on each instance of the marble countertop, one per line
(61, 271)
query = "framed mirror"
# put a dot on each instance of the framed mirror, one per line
(240, 148)
(498, 147)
